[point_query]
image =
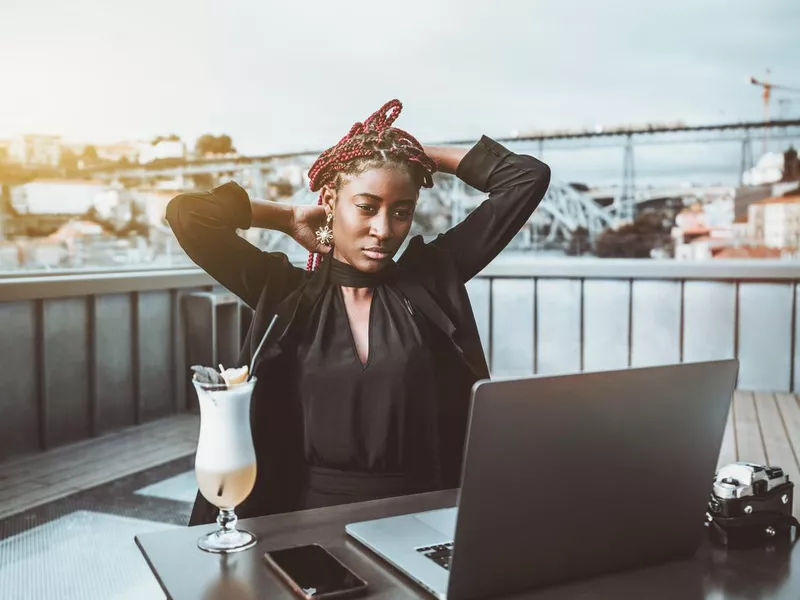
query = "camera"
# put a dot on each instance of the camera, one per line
(750, 505)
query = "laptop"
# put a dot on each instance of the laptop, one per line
(568, 477)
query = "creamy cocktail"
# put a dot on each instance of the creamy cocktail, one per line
(225, 464)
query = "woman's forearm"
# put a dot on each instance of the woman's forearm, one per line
(516, 184)
(447, 157)
(271, 215)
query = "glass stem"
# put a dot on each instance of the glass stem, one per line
(227, 521)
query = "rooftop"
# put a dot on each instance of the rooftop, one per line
(759, 252)
(780, 200)
(66, 181)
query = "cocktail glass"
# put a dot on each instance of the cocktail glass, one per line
(225, 464)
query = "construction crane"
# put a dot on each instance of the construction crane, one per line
(767, 88)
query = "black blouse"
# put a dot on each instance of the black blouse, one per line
(376, 417)
(206, 225)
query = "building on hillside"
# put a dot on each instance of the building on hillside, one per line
(747, 195)
(4, 146)
(161, 150)
(39, 207)
(55, 196)
(755, 252)
(152, 204)
(775, 222)
(128, 151)
(704, 231)
(35, 150)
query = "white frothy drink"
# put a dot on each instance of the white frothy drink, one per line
(225, 464)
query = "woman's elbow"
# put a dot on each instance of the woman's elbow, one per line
(174, 209)
(544, 178)
(539, 175)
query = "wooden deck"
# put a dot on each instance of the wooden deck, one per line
(41, 478)
(762, 428)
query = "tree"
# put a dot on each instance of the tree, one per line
(165, 138)
(89, 155)
(649, 231)
(203, 181)
(225, 144)
(68, 161)
(204, 144)
(579, 242)
(211, 144)
(791, 166)
(283, 188)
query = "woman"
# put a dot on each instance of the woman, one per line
(364, 380)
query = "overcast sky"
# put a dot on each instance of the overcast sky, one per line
(294, 75)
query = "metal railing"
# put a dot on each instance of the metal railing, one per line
(86, 353)
(557, 316)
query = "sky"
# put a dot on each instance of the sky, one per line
(281, 76)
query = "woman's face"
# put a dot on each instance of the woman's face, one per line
(372, 214)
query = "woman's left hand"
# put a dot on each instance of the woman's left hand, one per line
(306, 220)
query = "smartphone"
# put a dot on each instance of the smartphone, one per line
(312, 572)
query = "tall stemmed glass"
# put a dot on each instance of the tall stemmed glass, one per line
(225, 464)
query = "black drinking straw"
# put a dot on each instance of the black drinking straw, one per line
(261, 343)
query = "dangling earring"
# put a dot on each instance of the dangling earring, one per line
(325, 233)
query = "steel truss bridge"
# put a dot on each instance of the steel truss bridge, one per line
(563, 211)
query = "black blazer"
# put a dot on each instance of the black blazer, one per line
(432, 276)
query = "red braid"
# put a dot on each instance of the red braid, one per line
(374, 137)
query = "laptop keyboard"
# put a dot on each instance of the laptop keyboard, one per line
(440, 553)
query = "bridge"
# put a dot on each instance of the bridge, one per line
(562, 211)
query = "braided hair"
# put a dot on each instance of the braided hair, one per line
(368, 145)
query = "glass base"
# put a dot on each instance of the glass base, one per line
(225, 542)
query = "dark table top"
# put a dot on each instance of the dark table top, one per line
(187, 573)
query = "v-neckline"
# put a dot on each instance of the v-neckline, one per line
(370, 317)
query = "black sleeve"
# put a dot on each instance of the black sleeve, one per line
(205, 226)
(516, 184)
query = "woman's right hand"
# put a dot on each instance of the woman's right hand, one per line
(305, 222)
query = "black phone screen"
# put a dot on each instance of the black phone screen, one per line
(314, 570)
